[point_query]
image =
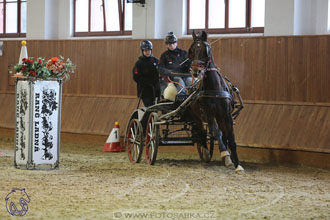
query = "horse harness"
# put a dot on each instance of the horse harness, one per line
(212, 93)
(229, 94)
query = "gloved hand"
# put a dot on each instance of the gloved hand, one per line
(167, 73)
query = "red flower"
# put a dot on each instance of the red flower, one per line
(39, 61)
(27, 60)
(33, 73)
(54, 59)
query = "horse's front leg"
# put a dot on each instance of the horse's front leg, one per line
(232, 146)
(222, 141)
(199, 132)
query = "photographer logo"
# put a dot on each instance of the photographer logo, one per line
(17, 202)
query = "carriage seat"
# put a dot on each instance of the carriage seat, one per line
(168, 105)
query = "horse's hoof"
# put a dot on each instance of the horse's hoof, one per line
(228, 162)
(239, 170)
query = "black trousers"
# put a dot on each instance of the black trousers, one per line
(148, 101)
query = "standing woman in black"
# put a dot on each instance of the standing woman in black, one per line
(145, 74)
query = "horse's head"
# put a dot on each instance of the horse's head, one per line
(200, 52)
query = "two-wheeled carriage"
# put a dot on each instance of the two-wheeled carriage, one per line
(170, 123)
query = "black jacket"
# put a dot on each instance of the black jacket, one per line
(170, 62)
(145, 74)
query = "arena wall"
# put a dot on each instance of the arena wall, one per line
(284, 81)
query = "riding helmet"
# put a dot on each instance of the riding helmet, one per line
(146, 45)
(170, 38)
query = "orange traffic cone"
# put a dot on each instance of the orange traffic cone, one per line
(113, 143)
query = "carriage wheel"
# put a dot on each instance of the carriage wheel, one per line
(134, 141)
(206, 153)
(152, 138)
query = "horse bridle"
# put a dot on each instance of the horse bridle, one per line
(200, 66)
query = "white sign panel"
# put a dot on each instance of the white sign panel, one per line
(22, 122)
(45, 124)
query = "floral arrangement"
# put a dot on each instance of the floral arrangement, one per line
(44, 69)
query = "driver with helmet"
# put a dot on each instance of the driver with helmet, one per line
(145, 74)
(174, 65)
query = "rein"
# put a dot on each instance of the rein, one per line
(183, 87)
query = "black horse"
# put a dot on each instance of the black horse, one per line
(214, 104)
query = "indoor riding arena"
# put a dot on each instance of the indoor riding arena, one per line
(282, 134)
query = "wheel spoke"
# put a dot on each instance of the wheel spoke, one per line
(133, 134)
(150, 136)
(134, 152)
(152, 148)
(137, 149)
(135, 129)
(152, 124)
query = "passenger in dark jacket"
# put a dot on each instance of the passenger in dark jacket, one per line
(145, 74)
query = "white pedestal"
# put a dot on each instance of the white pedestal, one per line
(38, 123)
